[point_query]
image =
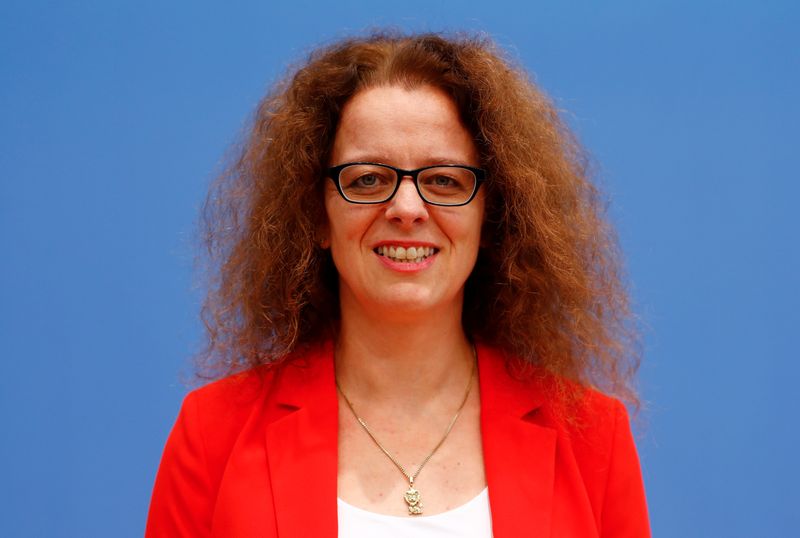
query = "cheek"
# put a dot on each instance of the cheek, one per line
(348, 225)
(479, 219)
(463, 229)
(336, 216)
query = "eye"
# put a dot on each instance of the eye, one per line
(447, 185)
(367, 180)
(441, 181)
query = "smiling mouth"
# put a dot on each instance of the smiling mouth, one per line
(405, 254)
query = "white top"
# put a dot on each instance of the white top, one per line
(472, 519)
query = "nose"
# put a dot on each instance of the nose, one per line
(407, 207)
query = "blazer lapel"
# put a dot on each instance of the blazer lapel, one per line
(302, 448)
(519, 455)
(300, 440)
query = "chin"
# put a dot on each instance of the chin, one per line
(401, 301)
(404, 303)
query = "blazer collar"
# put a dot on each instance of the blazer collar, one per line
(519, 455)
(302, 449)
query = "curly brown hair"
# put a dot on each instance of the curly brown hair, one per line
(547, 286)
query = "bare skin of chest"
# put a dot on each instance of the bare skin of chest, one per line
(369, 480)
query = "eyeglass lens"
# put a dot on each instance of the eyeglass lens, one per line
(374, 183)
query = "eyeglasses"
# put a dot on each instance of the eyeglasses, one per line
(372, 183)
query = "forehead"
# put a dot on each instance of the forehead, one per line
(398, 125)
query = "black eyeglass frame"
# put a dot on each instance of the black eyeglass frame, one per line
(335, 171)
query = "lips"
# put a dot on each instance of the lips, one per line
(408, 254)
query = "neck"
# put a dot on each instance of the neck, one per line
(380, 360)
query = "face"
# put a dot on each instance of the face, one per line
(409, 129)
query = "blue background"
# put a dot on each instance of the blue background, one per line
(116, 115)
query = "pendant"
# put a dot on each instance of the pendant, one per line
(413, 501)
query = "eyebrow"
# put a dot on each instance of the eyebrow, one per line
(383, 159)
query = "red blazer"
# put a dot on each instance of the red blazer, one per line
(256, 455)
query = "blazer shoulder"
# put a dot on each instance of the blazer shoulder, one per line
(558, 402)
(584, 418)
(239, 392)
(595, 456)
(604, 448)
(595, 409)
(587, 417)
(236, 390)
(596, 438)
(211, 420)
(219, 411)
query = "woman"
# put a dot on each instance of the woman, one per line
(419, 288)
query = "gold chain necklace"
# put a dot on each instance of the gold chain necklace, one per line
(412, 495)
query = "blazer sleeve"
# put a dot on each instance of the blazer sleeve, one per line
(182, 496)
(624, 513)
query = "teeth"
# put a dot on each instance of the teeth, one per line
(403, 254)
